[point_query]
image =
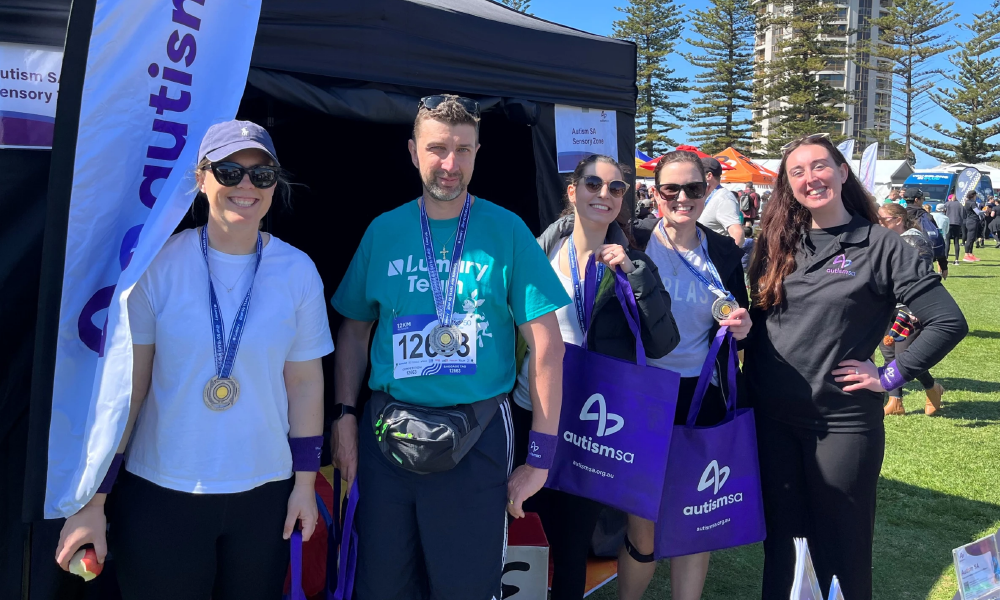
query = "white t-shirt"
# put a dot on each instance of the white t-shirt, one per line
(722, 211)
(569, 326)
(178, 442)
(690, 303)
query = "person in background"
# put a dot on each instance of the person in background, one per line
(971, 226)
(748, 244)
(721, 212)
(904, 330)
(955, 211)
(749, 204)
(989, 214)
(590, 226)
(893, 198)
(944, 226)
(927, 225)
(826, 280)
(764, 199)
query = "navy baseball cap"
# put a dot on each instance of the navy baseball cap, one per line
(223, 139)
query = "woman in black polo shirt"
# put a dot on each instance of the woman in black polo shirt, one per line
(825, 281)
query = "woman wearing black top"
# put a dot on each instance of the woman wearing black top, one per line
(825, 281)
(972, 224)
(591, 225)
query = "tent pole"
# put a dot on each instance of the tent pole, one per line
(74, 67)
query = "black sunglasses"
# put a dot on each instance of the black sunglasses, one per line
(230, 174)
(432, 102)
(694, 190)
(595, 184)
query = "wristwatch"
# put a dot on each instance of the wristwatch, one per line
(340, 410)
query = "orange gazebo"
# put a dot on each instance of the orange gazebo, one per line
(744, 170)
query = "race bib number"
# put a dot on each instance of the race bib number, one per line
(412, 355)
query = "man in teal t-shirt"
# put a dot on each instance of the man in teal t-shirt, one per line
(444, 530)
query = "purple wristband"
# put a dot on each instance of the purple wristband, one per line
(890, 377)
(541, 449)
(109, 479)
(306, 452)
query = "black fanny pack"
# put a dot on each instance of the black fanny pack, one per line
(428, 440)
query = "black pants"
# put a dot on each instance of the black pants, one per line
(439, 535)
(568, 521)
(169, 545)
(820, 486)
(971, 233)
(891, 352)
(955, 233)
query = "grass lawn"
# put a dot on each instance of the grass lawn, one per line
(940, 484)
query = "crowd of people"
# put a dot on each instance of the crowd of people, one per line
(466, 368)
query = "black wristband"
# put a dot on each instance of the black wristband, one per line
(340, 410)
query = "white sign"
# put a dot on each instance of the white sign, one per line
(29, 89)
(581, 132)
(158, 75)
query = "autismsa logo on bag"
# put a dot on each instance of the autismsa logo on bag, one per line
(713, 477)
(602, 416)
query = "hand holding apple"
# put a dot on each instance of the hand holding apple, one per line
(84, 563)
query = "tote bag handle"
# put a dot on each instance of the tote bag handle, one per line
(297, 593)
(626, 297)
(348, 549)
(706, 376)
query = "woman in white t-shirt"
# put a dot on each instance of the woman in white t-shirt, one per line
(688, 256)
(225, 424)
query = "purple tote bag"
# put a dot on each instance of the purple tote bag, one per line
(616, 421)
(712, 498)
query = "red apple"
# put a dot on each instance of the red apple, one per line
(84, 563)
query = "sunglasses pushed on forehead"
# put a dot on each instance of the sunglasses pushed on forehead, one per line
(432, 102)
(804, 140)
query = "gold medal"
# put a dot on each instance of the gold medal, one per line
(221, 393)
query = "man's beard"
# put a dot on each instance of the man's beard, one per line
(442, 195)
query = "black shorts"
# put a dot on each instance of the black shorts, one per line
(440, 535)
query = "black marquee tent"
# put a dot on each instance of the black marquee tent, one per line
(336, 84)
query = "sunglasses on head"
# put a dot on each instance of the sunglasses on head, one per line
(594, 185)
(694, 190)
(231, 174)
(804, 140)
(432, 102)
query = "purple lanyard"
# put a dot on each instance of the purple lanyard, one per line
(584, 296)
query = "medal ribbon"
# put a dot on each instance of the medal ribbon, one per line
(444, 301)
(715, 286)
(225, 353)
(584, 296)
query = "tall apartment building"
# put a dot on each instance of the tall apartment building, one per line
(872, 91)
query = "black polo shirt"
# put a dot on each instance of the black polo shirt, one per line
(838, 303)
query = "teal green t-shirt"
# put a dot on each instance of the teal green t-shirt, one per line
(505, 281)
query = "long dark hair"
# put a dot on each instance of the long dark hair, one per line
(785, 221)
(624, 218)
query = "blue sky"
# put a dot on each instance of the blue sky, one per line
(596, 16)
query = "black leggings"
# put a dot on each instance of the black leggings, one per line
(890, 352)
(971, 233)
(955, 233)
(820, 486)
(170, 544)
